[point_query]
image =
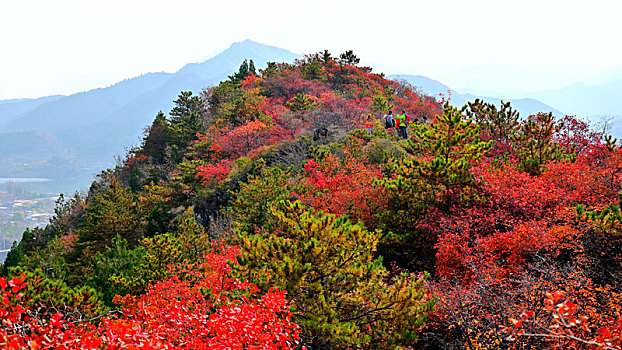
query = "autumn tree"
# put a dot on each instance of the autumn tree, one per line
(344, 187)
(47, 297)
(208, 309)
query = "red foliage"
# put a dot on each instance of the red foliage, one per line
(561, 322)
(417, 105)
(496, 245)
(250, 80)
(240, 141)
(576, 135)
(202, 308)
(289, 83)
(519, 194)
(130, 162)
(212, 174)
(344, 187)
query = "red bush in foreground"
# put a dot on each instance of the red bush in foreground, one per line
(199, 309)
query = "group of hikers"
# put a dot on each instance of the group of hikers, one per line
(399, 122)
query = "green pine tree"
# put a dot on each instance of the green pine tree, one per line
(340, 293)
(439, 174)
(185, 123)
(535, 143)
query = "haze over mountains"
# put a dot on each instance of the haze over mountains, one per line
(585, 96)
(526, 106)
(499, 78)
(69, 139)
(593, 98)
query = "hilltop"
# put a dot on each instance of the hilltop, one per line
(276, 210)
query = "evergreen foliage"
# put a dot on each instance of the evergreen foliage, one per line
(326, 265)
(246, 68)
(156, 139)
(349, 58)
(185, 122)
(438, 174)
(535, 145)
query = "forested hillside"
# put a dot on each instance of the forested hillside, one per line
(276, 211)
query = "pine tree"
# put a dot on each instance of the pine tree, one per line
(499, 125)
(339, 292)
(381, 103)
(108, 214)
(326, 56)
(349, 58)
(246, 68)
(156, 139)
(185, 122)
(439, 174)
(251, 67)
(116, 259)
(535, 143)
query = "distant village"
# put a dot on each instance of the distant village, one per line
(20, 211)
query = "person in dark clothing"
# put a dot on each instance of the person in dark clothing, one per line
(389, 122)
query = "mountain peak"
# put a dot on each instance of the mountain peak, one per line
(248, 43)
(229, 60)
(250, 47)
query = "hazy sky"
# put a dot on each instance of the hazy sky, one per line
(60, 47)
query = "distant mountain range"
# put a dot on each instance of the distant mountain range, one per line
(10, 109)
(525, 106)
(588, 101)
(586, 97)
(503, 79)
(71, 138)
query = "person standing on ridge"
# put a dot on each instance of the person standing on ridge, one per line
(401, 123)
(389, 122)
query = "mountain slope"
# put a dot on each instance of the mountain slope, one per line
(226, 62)
(85, 107)
(9, 109)
(145, 94)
